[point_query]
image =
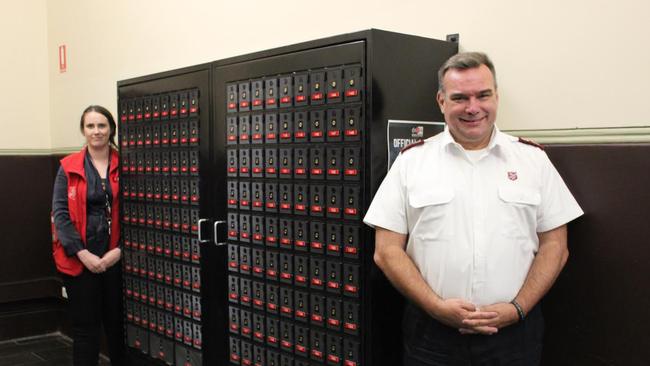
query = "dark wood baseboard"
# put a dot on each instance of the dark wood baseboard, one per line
(27, 318)
(38, 288)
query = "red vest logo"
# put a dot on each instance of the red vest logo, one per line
(72, 193)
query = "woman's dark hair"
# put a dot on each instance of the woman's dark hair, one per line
(104, 112)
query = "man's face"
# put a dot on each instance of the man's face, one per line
(469, 103)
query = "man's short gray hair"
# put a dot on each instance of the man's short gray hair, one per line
(463, 61)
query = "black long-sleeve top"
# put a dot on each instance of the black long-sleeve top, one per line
(97, 236)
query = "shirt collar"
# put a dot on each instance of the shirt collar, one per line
(498, 138)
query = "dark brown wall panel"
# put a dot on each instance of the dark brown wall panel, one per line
(26, 195)
(596, 314)
(30, 289)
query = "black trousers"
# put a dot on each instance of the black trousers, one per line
(95, 300)
(428, 342)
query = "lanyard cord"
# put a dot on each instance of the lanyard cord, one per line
(107, 204)
(107, 210)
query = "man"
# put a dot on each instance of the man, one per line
(471, 227)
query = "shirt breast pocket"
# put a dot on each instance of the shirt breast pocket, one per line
(519, 205)
(431, 208)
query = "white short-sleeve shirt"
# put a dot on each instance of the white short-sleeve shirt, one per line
(472, 226)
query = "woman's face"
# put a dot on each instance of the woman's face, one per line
(96, 130)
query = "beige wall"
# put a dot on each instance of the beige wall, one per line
(560, 64)
(24, 83)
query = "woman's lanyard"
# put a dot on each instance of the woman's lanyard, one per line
(107, 203)
(107, 209)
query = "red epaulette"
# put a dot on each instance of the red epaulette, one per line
(531, 143)
(421, 142)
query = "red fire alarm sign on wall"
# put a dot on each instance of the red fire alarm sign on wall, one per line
(63, 63)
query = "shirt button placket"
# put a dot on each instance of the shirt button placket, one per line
(477, 207)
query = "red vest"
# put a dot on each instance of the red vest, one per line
(73, 166)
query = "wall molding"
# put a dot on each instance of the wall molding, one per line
(36, 288)
(39, 152)
(610, 135)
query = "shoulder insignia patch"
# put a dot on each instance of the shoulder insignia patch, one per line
(421, 142)
(531, 143)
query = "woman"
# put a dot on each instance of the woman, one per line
(85, 208)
